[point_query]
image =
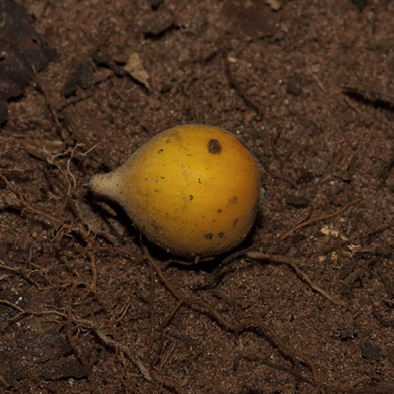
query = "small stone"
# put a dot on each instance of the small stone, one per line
(294, 87)
(370, 351)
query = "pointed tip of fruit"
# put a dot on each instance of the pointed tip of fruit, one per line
(104, 185)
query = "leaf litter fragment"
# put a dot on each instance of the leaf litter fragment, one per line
(136, 70)
(22, 53)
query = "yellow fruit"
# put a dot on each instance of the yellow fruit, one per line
(193, 190)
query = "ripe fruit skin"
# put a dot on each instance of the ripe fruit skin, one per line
(192, 190)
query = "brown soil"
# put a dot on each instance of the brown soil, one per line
(309, 88)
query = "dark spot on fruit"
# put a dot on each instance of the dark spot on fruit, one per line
(214, 146)
(233, 200)
(221, 234)
(191, 197)
(168, 140)
(199, 180)
(219, 210)
(208, 235)
(160, 150)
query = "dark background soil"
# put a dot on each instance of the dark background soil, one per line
(309, 88)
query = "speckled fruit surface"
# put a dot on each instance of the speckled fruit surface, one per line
(192, 189)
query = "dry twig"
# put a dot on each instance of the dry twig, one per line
(310, 221)
(293, 264)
